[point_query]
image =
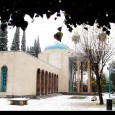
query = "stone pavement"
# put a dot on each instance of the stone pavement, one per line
(57, 103)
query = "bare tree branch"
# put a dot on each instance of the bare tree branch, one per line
(93, 45)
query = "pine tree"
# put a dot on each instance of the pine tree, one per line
(16, 41)
(28, 50)
(23, 43)
(104, 83)
(37, 47)
(3, 39)
(13, 45)
(32, 51)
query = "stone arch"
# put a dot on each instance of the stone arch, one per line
(57, 81)
(52, 83)
(42, 82)
(46, 82)
(38, 82)
(49, 85)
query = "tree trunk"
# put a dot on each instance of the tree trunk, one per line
(99, 90)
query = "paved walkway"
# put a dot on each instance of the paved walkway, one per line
(57, 103)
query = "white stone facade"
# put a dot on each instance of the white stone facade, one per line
(22, 71)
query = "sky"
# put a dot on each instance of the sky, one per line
(44, 28)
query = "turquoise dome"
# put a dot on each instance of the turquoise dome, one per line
(56, 45)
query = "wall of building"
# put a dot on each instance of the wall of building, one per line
(22, 72)
(60, 59)
(52, 57)
(7, 59)
(64, 84)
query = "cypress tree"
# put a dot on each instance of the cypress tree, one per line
(28, 50)
(33, 51)
(3, 39)
(23, 42)
(16, 41)
(37, 47)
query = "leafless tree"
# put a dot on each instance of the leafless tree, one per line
(94, 45)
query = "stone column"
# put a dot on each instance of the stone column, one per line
(89, 78)
(46, 91)
(44, 84)
(57, 84)
(52, 84)
(40, 83)
(78, 75)
(47, 83)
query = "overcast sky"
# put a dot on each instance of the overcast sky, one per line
(44, 28)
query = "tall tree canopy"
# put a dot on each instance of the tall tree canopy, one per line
(37, 47)
(112, 75)
(3, 39)
(76, 11)
(15, 46)
(93, 45)
(23, 42)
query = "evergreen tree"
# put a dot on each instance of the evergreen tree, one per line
(16, 41)
(23, 43)
(37, 47)
(32, 51)
(94, 84)
(112, 75)
(112, 78)
(104, 83)
(13, 45)
(3, 39)
(28, 50)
